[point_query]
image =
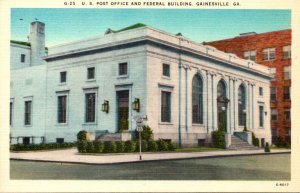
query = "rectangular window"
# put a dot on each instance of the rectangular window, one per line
(274, 136)
(10, 113)
(60, 140)
(286, 93)
(165, 106)
(22, 58)
(287, 115)
(273, 93)
(287, 52)
(269, 54)
(63, 77)
(274, 114)
(62, 109)
(287, 72)
(288, 135)
(261, 116)
(123, 69)
(166, 70)
(261, 91)
(26, 140)
(28, 111)
(90, 105)
(250, 55)
(273, 73)
(91, 73)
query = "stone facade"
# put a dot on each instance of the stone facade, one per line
(153, 67)
(281, 127)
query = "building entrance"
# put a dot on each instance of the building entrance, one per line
(123, 110)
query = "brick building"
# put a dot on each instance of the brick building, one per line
(272, 49)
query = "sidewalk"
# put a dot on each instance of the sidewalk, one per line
(72, 156)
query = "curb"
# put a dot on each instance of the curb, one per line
(144, 161)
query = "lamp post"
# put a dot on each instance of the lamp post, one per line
(245, 116)
(223, 108)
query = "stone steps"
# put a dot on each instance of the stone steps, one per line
(238, 144)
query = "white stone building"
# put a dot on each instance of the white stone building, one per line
(186, 89)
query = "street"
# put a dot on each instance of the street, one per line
(250, 167)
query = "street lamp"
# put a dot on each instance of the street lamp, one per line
(105, 106)
(136, 105)
(244, 112)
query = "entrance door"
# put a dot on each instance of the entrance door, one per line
(123, 110)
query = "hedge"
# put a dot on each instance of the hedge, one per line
(122, 147)
(162, 145)
(130, 146)
(109, 147)
(45, 146)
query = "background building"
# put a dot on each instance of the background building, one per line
(186, 89)
(272, 49)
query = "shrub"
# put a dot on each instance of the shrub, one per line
(267, 148)
(98, 146)
(90, 147)
(171, 146)
(144, 146)
(120, 146)
(255, 141)
(218, 138)
(82, 146)
(109, 147)
(146, 134)
(82, 135)
(152, 146)
(162, 145)
(130, 146)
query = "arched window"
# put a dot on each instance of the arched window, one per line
(197, 100)
(242, 104)
(222, 102)
(221, 89)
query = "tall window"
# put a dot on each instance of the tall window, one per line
(242, 104)
(286, 93)
(123, 69)
(261, 116)
(166, 70)
(287, 115)
(287, 72)
(288, 135)
(90, 105)
(273, 73)
(10, 112)
(287, 52)
(261, 91)
(274, 135)
(274, 115)
(273, 93)
(27, 118)
(22, 58)
(197, 100)
(269, 54)
(91, 73)
(165, 106)
(62, 109)
(250, 55)
(63, 76)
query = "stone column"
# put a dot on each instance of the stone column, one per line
(208, 102)
(214, 102)
(230, 105)
(234, 104)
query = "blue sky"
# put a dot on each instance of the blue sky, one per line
(65, 25)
